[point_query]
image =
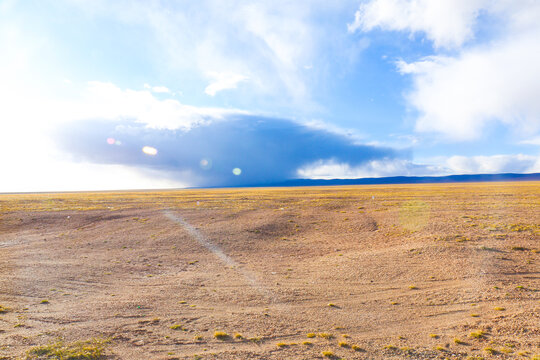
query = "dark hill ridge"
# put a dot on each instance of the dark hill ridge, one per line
(411, 180)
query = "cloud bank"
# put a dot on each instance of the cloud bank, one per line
(266, 150)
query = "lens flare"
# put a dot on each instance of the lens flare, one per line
(148, 150)
(113, 141)
(205, 164)
(414, 215)
(237, 171)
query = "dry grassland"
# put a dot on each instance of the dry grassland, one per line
(360, 272)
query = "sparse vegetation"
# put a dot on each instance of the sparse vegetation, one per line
(221, 335)
(328, 354)
(477, 334)
(82, 350)
(452, 278)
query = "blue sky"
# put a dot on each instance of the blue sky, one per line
(276, 89)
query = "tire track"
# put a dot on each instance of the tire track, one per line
(250, 278)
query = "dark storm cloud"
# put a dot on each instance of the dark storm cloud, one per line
(267, 150)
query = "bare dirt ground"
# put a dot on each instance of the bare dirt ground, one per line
(373, 272)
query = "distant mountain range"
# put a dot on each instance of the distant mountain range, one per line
(412, 180)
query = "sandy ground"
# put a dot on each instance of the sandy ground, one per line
(406, 271)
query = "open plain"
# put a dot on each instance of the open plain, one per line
(359, 272)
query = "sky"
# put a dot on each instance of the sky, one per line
(101, 95)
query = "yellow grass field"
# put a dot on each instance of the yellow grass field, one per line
(445, 271)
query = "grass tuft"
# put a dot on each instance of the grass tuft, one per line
(477, 334)
(221, 335)
(81, 350)
(328, 354)
(311, 335)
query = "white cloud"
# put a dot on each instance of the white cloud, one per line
(267, 42)
(61, 175)
(493, 164)
(331, 169)
(458, 96)
(108, 101)
(490, 81)
(223, 81)
(157, 89)
(448, 23)
(33, 161)
(531, 141)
